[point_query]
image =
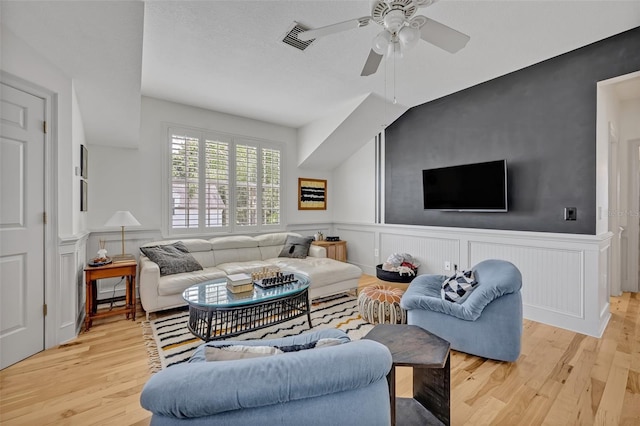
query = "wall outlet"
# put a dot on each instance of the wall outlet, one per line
(447, 266)
(376, 253)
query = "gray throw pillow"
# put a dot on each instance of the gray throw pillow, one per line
(172, 258)
(297, 247)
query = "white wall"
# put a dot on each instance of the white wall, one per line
(607, 109)
(19, 59)
(354, 197)
(130, 179)
(78, 139)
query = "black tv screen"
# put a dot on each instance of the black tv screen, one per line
(480, 187)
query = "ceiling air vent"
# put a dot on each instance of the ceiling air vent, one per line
(291, 38)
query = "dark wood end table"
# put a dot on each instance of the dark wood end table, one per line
(126, 269)
(428, 354)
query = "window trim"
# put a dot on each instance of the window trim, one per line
(233, 140)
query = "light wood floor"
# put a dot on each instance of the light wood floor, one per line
(560, 378)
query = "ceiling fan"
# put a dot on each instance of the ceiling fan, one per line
(402, 29)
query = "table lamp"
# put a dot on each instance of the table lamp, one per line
(122, 218)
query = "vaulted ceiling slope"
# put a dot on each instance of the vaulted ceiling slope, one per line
(98, 45)
(228, 56)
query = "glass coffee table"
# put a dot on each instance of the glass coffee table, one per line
(215, 312)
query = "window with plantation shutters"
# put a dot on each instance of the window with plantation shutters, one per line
(270, 186)
(246, 185)
(220, 182)
(184, 181)
(216, 183)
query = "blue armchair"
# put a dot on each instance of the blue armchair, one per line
(342, 384)
(487, 324)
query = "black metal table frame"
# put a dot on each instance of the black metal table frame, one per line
(212, 322)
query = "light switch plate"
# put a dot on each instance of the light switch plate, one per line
(570, 213)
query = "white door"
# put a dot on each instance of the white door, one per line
(22, 150)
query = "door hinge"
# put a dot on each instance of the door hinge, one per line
(44, 309)
(44, 127)
(44, 217)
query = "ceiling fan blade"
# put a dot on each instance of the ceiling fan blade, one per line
(444, 37)
(334, 28)
(372, 64)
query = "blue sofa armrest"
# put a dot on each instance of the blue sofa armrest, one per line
(202, 389)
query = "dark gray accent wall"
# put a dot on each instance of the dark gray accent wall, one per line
(541, 119)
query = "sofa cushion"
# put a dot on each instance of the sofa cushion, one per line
(233, 242)
(176, 284)
(274, 239)
(172, 258)
(249, 254)
(458, 287)
(321, 271)
(297, 247)
(246, 267)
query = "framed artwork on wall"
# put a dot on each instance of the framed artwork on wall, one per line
(84, 195)
(312, 194)
(84, 161)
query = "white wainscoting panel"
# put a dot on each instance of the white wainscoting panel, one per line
(432, 253)
(565, 276)
(552, 279)
(71, 262)
(604, 269)
(361, 245)
(67, 291)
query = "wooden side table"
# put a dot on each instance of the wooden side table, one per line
(126, 269)
(335, 249)
(428, 354)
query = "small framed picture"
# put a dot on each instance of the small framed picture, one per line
(84, 161)
(84, 196)
(312, 194)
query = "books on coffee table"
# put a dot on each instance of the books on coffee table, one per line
(239, 283)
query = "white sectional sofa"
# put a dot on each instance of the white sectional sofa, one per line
(230, 255)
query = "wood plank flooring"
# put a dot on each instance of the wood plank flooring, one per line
(561, 378)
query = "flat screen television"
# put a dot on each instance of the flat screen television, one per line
(477, 187)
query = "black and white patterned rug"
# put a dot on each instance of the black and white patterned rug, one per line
(170, 342)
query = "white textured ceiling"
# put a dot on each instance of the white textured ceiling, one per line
(227, 55)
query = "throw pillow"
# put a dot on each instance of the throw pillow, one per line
(172, 258)
(297, 247)
(321, 343)
(235, 352)
(458, 287)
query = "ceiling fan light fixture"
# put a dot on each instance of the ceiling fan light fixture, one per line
(408, 37)
(394, 49)
(394, 20)
(381, 42)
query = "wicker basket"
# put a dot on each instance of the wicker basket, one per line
(394, 277)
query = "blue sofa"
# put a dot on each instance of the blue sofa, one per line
(487, 324)
(337, 385)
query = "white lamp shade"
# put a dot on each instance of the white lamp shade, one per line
(122, 218)
(408, 37)
(381, 42)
